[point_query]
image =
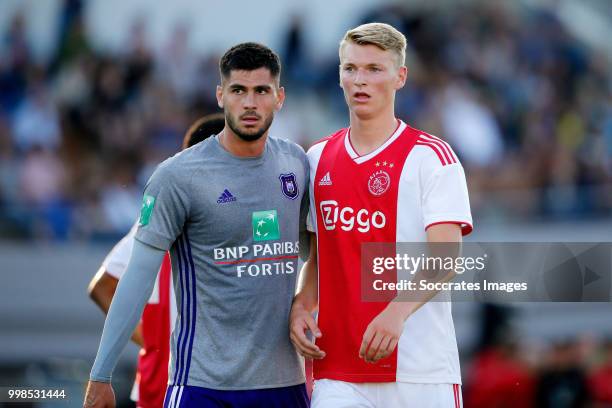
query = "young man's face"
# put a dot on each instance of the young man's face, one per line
(369, 77)
(249, 100)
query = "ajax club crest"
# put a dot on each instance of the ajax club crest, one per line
(379, 182)
(289, 185)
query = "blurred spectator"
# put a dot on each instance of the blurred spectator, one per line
(120, 196)
(8, 164)
(497, 378)
(72, 39)
(16, 45)
(296, 69)
(600, 380)
(109, 91)
(471, 127)
(42, 177)
(562, 382)
(36, 120)
(139, 59)
(42, 180)
(607, 135)
(73, 84)
(178, 65)
(73, 42)
(14, 62)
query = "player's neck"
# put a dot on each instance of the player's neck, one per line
(369, 134)
(241, 148)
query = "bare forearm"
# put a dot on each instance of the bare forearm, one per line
(102, 289)
(308, 297)
(308, 291)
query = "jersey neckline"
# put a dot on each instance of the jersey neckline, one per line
(226, 154)
(362, 159)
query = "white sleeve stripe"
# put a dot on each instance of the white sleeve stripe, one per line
(444, 145)
(437, 149)
(440, 141)
(314, 156)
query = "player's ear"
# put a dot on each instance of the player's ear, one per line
(219, 94)
(280, 98)
(402, 74)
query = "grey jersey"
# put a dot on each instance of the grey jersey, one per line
(232, 227)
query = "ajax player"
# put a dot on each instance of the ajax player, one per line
(379, 180)
(230, 211)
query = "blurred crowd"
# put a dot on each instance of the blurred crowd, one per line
(527, 107)
(567, 374)
(507, 372)
(80, 135)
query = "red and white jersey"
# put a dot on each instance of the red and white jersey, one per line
(392, 194)
(158, 318)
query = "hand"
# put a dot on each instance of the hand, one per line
(381, 335)
(301, 320)
(99, 395)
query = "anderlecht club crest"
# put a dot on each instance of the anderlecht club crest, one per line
(289, 185)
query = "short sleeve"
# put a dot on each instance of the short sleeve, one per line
(311, 223)
(304, 237)
(314, 155)
(117, 259)
(165, 207)
(445, 195)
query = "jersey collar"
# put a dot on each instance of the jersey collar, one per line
(362, 159)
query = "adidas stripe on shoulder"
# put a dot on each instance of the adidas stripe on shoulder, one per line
(440, 147)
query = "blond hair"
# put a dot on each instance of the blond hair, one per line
(382, 35)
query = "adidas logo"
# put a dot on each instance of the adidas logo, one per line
(226, 197)
(325, 180)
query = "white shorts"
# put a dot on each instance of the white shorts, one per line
(340, 394)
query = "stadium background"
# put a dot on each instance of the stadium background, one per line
(94, 94)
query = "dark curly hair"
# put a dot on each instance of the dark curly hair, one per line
(249, 56)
